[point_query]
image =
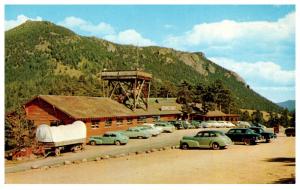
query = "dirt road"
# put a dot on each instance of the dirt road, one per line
(164, 139)
(264, 163)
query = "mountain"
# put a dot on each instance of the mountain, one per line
(43, 58)
(289, 104)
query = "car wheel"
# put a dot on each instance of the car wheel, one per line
(268, 140)
(247, 141)
(93, 143)
(117, 143)
(140, 137)
(184, 146)
(288, 135)
(215, 146)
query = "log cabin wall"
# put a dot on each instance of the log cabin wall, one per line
(41, 112)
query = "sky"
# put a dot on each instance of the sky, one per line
(255, 41)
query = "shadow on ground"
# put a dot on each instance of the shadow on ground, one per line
(291, 180)
(282, 159)
(289, 161)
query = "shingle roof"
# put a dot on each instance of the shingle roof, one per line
(81, 107)
(215, 113)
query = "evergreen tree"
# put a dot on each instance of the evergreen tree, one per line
(19, 132)
(284, 119)
(245, 116)
(257, 117)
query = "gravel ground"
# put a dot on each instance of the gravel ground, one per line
(90, 152)
(259, 164)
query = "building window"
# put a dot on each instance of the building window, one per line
(156, 118)
(141, 119)
(55, 123)
(119, 121)
(108, 123)
(129, 121)
(95, 125)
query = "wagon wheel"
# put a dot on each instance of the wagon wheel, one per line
(57, 151)
(76, 148)
(215, 146)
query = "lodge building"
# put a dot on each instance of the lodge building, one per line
(127, 104)
(104, 114)
(99, 114)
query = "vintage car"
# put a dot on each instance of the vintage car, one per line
(196, 123)
(208, 124)
(109, 138)
(206, 139)
(290, 131)
(243, 124)
(182, 124)
(151, 129)
(267, 136)
(244, 135)
(135, 132)
(165, 126)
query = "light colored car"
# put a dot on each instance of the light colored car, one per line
(109, 138)
(243, 124)
(152, 125)
(135, 132)
(165, 126)
(225, 124)
(153, 130)
(206, 139)
(209, 124)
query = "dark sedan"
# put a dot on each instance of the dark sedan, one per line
(244, 135)
(267, 136)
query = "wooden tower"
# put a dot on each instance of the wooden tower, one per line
(131, 88)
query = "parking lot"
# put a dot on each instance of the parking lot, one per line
(264, 163)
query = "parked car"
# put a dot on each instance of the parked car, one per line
(243, 124)
(109, 138)
(261, 126)
(183, 124)
(135, 132)
(206, 139)
(225, 124)
(196, 123)
(165, 126)
(244, 135)
(153, 130)
(290, 131)
(209, 124)
(267, 136)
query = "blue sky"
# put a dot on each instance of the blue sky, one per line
(256, 41)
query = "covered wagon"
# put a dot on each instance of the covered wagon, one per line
(62, 137)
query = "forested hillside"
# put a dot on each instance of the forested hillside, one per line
(43, 58)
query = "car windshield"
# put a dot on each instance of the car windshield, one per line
(250, 131)
(220, 134)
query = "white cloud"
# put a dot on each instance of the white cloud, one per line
(9, 24)
(286, 93)
(101, 28)
(260, 72)
(106, 31)
(229, 31)
(130, 36)
(265, 77)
